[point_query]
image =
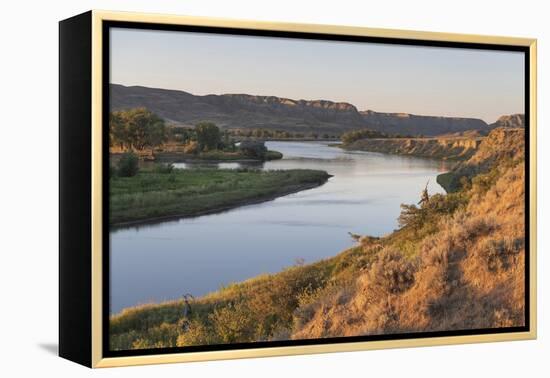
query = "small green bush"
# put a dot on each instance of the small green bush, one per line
(253, 148)
(128, 165)
(164, 168)
(273, 155)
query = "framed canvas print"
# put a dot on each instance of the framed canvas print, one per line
(235, 189)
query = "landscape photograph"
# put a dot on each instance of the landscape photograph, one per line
(279, 189)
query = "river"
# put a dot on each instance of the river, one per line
(158, 262)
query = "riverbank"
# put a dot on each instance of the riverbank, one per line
(175, 156)
(152, 197)
(215, 157)
(456, 262)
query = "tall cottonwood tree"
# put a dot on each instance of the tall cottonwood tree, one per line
(137, 128)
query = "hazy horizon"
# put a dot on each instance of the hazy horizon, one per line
(433, 81)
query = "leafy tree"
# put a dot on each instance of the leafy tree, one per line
(208, 136)
(145, 128)
(136, 128)
(227, 143)
(118, 132)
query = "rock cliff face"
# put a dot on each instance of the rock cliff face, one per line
(248, 111)
(513, 121)
(410, 124)
(440, 148)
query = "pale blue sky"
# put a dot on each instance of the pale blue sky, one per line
(386, 78)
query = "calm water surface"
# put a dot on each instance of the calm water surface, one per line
(158, 262)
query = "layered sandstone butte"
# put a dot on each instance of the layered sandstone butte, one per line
(246, 111)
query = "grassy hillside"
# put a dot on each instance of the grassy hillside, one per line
(152, 195)
(456, 262)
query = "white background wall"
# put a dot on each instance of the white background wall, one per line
(28, 185)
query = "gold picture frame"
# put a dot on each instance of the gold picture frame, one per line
(90, 328)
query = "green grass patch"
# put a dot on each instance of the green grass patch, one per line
(155, 194)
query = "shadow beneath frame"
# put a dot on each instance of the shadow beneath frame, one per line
(51, 348)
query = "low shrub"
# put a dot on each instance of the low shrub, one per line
(253, 149)
(273, 155)
(128, 165)
(164, 168)
(392, 272)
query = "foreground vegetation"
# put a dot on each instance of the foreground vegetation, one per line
(456, 262)
(162, 191)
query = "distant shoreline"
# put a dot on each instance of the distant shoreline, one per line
(445, 149)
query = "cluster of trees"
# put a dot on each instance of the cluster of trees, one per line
(205, 136)
(139, 129)
(136, 129)
(208, 136)
(354, 135)
(277, 134)
(181, 134)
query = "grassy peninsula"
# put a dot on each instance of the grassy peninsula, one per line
(162, 192)
(456, 262)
